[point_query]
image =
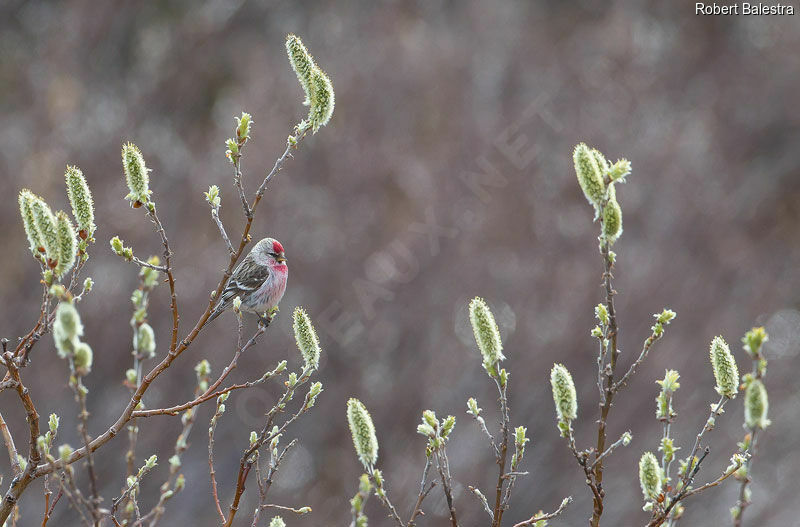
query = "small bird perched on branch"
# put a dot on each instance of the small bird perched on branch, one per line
(259, 280)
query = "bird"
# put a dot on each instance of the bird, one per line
(259, 281)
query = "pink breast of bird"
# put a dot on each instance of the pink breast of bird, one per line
(270, 293)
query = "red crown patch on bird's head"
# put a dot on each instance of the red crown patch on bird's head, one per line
(277, 248)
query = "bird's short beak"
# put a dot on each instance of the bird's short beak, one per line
(281, 258)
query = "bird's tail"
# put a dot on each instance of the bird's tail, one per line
(214, 314)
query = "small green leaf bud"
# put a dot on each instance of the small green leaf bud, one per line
(589, 174)
(253, 437)
(626, 438)
(144, 340)
(601, 312)
(472, 407)
(520, 438)
(756, 405)
(67, 244)
(232, 149)
(487, 334)
(243, 125)
(212, 196)
(426, 430)
(151, 461)
(448, 424)
(649, 476)
(430, 417)
(726, 372)
(116, 245)
(130, 376)
(670, 382)
(564, 396)
(136, 175)
(668, 448)
(180, 483)
(619, 170)
(277, 521)
(52, 423)
(88, 284)
(597, 332)
(753, 340)
(80, 197)
(363, 432)
(306, 338)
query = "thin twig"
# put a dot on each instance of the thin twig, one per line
(423, 492)
(540, 517)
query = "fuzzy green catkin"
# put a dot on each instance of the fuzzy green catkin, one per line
(612, 217)
(363, 432)
(25, 199)
(45, 224)
(67, 244)
(277, 521)
(144, 340)
(756, 405)
(649, 476)
(302, 63)
(487, 334)
(601, 161)
(589, 174)
(306, 338)
(726, 372)
(82, 359)
(564, 396)
(80, 197)
(136, 174)
(67, 327)
(323, 99)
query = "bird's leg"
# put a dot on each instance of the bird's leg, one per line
(264, 319)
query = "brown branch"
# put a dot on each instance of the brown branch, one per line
(266, 435)
(212, 427)
(608, 397)
(502, 456)
(423, 493)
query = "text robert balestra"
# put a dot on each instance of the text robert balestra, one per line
(743, 8)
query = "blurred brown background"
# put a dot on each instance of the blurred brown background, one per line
(445, 173)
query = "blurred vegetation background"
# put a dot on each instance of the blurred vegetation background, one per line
(389, 231)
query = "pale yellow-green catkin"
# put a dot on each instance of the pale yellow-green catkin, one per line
(302, 63)
(363, 432)
(564, 395)
(67, 244)
(649, 476)
(589, 173)
(25, 200)
(612, 217)
(487, 334)
(323, 99)
(136, 174)
(80, 197)
(726, 372)
(45, 224)
(306, 338)
(756, 405)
